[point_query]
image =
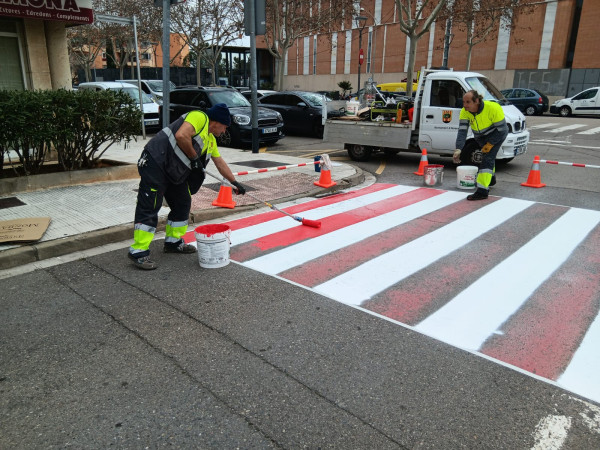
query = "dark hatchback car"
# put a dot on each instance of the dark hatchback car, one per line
(239, 133)
(302, 111)
(530, 101)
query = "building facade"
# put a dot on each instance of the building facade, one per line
(552, 48)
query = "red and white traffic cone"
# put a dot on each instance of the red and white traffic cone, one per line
(535, 178)
(422, 164)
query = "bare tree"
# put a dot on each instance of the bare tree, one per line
(207, 26)
(416, 17)
(84, 43)
(478, 18)
(289, 20)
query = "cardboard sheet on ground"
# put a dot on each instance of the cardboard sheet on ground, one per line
(29, 229)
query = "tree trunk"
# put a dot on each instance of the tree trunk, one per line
(411, 64)
(198, 73)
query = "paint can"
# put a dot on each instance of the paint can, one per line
(466, 176)
(352, 108)
(433, 175)
(213, 245)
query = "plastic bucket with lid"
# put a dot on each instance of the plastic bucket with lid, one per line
(433, 175)
(466, 177)
(213, 245)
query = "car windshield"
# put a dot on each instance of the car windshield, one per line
(313, 98)
(485, 87)
(157, 85)
(230, 97)
(134, 93)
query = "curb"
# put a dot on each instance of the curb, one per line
(27, 254)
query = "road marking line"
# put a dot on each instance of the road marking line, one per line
(590, 131)
(541, 125)
(565, 128)
(551, 433)
(474, 314)
(380, 168)
(385, 270)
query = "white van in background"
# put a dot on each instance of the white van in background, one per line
(586, 102)
(154, 88)
(151, 117)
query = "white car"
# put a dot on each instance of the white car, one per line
(586, 102)
(154, 88)
(151, 116)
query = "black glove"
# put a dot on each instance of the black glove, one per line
(196, 165)
(239, 189)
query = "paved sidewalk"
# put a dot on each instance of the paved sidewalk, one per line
(93, 214)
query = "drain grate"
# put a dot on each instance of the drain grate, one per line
(259, 163)
(10, 202)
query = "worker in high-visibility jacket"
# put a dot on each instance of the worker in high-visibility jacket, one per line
(486, 119)
(172, 166)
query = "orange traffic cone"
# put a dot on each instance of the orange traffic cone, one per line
(535, 179)
(423, 163)
(325, 179)
(224, 199)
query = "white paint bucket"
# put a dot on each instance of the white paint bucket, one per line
(352, 108)
(466, 177)
(213, 245)
(433, 175)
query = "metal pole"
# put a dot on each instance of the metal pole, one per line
(166, 48)
(359, 49)
(137, 63)
(253, 84)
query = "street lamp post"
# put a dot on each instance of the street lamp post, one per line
(360, 24)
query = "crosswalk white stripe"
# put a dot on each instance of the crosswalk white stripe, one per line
(581, 375)
(473, 315)
(284, 223)
(565, 128)
(392, 267)
(299, 253)
(590, 131)
(541, 125)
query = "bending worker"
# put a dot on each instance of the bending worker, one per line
(172, 166)
(486, 119)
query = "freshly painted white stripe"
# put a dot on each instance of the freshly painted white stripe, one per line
(284, 223)
(581, 376)
(590, 131)
(565, 128)
(366, 280)
(551, 433)
(302, 252)
(474, 314)
(539, 126)
(562, 144)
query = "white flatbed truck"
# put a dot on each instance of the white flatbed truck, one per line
(435, 122)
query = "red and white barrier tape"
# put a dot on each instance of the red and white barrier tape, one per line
(569, 164)
(270, 169)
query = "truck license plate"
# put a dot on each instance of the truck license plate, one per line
(269, 130)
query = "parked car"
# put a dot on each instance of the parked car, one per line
(586, 102)
(239, 133)
(154, 88)
(302, 111)
(259, 93)
(151, 119)
(530, 101)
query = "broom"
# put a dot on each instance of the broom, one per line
(303, 221)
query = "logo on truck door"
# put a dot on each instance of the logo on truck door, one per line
(447, 116)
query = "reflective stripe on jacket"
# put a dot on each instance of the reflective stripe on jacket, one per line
(488, 125)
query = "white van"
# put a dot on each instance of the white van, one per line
(154, 88)
(151, 116)
(586, 102)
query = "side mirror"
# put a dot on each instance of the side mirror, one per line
(302, 105)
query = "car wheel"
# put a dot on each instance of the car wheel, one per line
(225, 139)
(564, 111)
(530, 110)
(359, 152)
(471, 154)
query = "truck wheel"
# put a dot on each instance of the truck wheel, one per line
(359, 152)
(564, 111)
(471, 155)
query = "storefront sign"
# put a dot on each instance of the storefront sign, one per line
(72, 11)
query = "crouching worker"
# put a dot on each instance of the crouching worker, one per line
(172, 166)
(486, 119)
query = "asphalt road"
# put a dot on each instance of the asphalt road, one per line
(565, 185)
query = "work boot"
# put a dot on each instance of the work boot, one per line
(143, 262)
(179, 247)
(480, 194)
(493, 182)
